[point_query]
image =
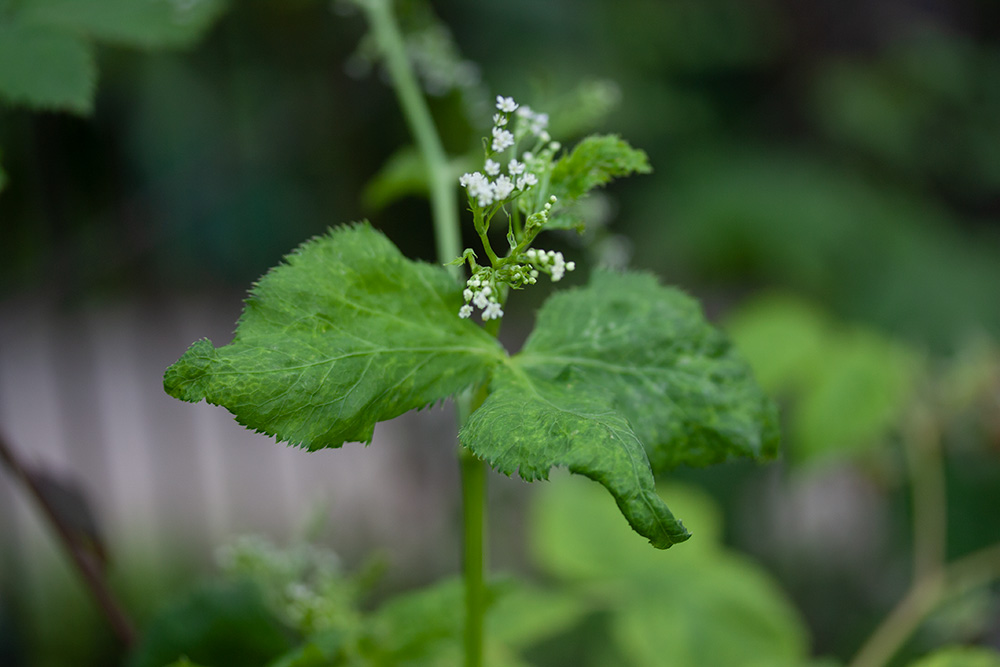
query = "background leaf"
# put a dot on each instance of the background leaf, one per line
(847, 385)
(701, 606)
(221, 625)
(45, 68)
(960, 656)
(346, 333)
(145, 24)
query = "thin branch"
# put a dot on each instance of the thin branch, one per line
(85, 563)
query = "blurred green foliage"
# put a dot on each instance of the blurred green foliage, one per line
(845, 155)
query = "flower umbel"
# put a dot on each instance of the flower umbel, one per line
(514, 191)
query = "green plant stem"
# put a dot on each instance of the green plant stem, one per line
(922, 445)
(924, 459)
(447, 234)
(977, 569)
(474, 556)
(444, 205)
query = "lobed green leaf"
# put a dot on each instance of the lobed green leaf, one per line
(529, 425)
(595, 161)
(346, 333)
(619, 379)
(647, 352)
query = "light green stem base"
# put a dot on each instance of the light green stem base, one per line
(447, 234)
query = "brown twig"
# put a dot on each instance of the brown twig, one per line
(87, 565)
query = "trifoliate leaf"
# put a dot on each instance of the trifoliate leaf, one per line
(346, 333)
(595, 161)
(141, 24)
(619, 369)
(46, 69)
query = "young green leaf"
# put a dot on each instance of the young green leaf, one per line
(45, 69)
(616, 376)
(595, 161)
(346, 333)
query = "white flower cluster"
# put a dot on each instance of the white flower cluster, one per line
(536, 123)
(494, 187)
(551, 262)
(480, 293)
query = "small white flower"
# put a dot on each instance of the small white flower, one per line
(526, 181)
(499, 119)
(570, 266)
(506, 104)
(502, 187)
(502, 139)
(467, 294)
(492, 168)
(539, 122)
(465, 311)
(481, 300)
(515, 167)
(478, 186)
(492, 311)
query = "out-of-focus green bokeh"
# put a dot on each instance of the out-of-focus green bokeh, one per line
(826, 178)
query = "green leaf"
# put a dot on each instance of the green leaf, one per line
(219, 624)
(561, 545)
(697, 607)
(321, 650)
(404, 173)
(414, 625)
(961, 656)
(346, 333)
(595, 161)
(46, 69)
(142, 24)
(648, 353)
(613, 371)
(848, 386)
(529, 425)
(526, 615)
